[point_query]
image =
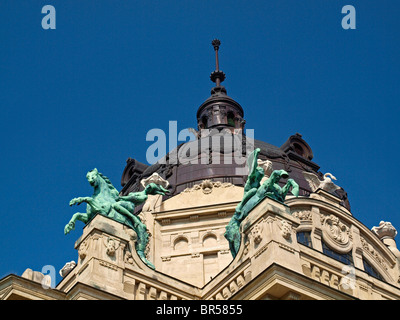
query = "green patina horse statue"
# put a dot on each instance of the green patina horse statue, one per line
(106, 201)
(254, 193)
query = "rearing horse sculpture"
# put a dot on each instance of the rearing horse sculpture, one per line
(106, 201)
(254, 193)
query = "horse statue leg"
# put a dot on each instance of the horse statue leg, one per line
(295, 189)
(142, 241)
(84, 217)
(141, 231)
(232, 234)
(79, 200)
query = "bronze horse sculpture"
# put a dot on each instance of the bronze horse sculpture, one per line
(106, 201)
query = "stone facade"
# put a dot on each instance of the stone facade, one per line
(193, 261)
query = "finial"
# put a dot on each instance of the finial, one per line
(216, 43)
(217, 76)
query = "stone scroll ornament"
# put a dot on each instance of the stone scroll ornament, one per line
(254, 193)
(106, 201)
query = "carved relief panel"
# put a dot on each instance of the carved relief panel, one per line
(369, 250)
(303, 214)
(336, 233)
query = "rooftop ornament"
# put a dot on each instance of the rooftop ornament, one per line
(217, 76)
(106, 201)
(254, 193)
(325, 184)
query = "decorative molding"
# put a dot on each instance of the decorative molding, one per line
(222, 214)
(374, 253)
(259, 252)
(283, 246)
(302, 214)
(108, 265)
(269, 220)
(207, 186)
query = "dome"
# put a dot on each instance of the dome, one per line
(219, 151)
(293, 156)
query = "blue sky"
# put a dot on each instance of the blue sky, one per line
(85, 95)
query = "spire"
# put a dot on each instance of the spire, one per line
(219, 111)
(217, 76)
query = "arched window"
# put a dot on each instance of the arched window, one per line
(204, 122)
(371, 270)
(231, 119)
(210, 240)
(181, 243)
(346, 258)
(298, 149)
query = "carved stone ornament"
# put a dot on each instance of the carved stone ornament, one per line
(256, 232)
(286, 229)
(207, 186)
(302, 215)
(385, 230)
(155, 178)
(325, 184)
(111, 246)
(83, 248)
(336, 234)
(246, 247)
(128, 257)
(67, 268)
(266, 165)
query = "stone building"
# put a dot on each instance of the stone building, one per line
(308, 248)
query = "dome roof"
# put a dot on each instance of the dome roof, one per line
(212, 155)
(218, 163)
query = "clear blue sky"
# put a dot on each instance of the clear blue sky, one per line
(85, 95)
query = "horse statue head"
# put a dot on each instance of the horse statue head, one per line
(101, 184)
(93, 177)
